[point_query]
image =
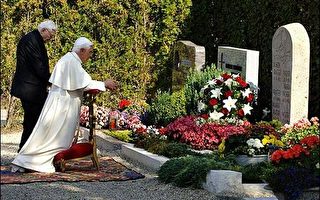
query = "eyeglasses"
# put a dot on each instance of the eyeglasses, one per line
(51, 33)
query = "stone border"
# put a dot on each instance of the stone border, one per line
(153, 162)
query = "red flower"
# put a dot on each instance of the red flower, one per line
(219, 82)
(141, 130)
(228, 93)
(213, 102)
(240, 113)
(296, 150)
(162, 131)
(205, 116)
(276, 156)
(311, 141)
(124, 103)
(241, 82)
(250, 98)
(226, 76)
(225, 111)
(288, 154)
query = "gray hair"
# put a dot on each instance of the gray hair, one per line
(82, 43)
(47, 24)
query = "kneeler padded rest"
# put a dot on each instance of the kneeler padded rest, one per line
(81, 150)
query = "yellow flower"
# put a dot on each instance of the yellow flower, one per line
(271, 139)
(265, 139)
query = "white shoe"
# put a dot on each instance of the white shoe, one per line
(15, 168)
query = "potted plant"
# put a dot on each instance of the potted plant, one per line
(296, 165)
(254, 146)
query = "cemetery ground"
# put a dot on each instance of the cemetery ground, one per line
(147, 188)
(294, 149)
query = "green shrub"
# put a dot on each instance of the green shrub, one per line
(192, 170)
(123, 135)
(195, 81)
(256, 177)
(166, 107)
(194, 173)
(151, 143)
(156, 146)
(171, 168)
(173, 150)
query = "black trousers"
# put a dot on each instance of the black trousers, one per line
(31, 114)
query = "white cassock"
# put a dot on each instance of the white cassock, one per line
(59, 117)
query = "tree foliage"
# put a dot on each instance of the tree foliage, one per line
(132, 38)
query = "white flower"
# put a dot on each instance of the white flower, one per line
(212, 82)
(246, 93)
(216, 93)
(318, 165)
(258, 144)
(246, 109)
(234, 76)
(250, 142)
(228, 82)
(229, 103)
(255, 143)
(215, 115)
(201, 106)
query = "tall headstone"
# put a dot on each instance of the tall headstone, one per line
(290, 73)
(187, 56)
(239, 61)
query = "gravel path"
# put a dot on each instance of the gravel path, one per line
(148, 188)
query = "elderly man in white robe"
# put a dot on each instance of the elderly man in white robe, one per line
(59, 117)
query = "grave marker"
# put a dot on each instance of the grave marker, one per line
(240, 61)
(290, 73)
(187, 56)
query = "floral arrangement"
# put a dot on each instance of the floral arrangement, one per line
(127, 116)
(201, 136)
(146, 136)
(299, 158)
(84, 116)
(258, 140)
(297, 167)
(305, 153)
(227, 96)
(292, 134)
(131, 114)
(257, 146)
(101, 115)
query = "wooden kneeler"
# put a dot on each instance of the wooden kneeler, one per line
(79, 151)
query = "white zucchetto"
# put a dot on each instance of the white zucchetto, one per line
(82, 42)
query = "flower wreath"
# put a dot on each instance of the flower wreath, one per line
(227, 96)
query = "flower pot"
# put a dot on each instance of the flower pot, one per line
(310, 194)
(247, 160)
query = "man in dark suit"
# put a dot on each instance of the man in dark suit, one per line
(30, 80)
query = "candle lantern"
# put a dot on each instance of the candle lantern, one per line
(113, 119)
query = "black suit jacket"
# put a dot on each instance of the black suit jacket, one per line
(30, 80)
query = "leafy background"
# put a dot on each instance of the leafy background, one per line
(134, 38)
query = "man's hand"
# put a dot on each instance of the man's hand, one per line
(110, 84)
